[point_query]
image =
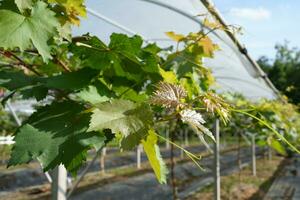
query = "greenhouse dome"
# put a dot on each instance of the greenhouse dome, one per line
(232, 67)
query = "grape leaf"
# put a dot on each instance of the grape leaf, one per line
(275, 144)
(55, 134)
(12, 79)
(22, 31)
(23, 4)
(71, 80)
(34, 86)
(208, 46)
(123, 57)
(168, 76)
(91, 95)
(175, 37)
(121, 116)
(38, 92)
(152, 151)
(98, 57)
(73, 9)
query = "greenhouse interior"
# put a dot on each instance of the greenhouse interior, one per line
(149, 100)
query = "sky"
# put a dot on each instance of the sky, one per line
(265, 23)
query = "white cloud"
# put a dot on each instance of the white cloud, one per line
(250, 13)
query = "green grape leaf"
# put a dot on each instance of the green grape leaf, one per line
(127, 46)
(275, 144)
(131, 51)
(23, 4)
(134, 139)
(38, 92)
(91, 95)
(12, 79)
(99, 57)
(121, 116)
(9, 5)
(71, 80)
(152, 151)
(129, 94)
(34, 86)
(55, 134)
(22, 31)
(123, 57)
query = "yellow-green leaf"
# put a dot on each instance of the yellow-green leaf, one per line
(208, 46)
(152, 150)
(168, 76)
(275, 144)
(74, 9)
(174, 36)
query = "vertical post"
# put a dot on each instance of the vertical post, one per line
(138, 156)
(186, 138)
(59, 183)
(181, 143)
(269, 153)
(239, 160)
(16, 118)
(167, 137)
(217, 181)
(102, 160)
(253, 155)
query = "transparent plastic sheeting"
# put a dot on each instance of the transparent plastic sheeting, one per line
(232, 70)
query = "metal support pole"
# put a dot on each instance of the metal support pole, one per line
(217, 181)
(253, 155)
(269, 153)
(138, 156)
(186, 137)
(75, 185)
(59, 183)
(167, 137)
(181, 142)
(102, 160)
(17, 119)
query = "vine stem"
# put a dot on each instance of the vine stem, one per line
(63, 65)
(192, 156)
(269, 127)
(10, 54)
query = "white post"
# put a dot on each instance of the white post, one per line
(186, 138)
(253, 155)
(217, 181)
(102, 160)
(167, 137)
(59, 183)
(138, 156)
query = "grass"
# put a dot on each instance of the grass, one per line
(243, 185)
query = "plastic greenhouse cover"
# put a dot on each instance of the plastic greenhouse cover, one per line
(232, 70)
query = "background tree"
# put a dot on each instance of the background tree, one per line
(284, 70)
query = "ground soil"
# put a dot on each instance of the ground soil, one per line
(243, 185)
